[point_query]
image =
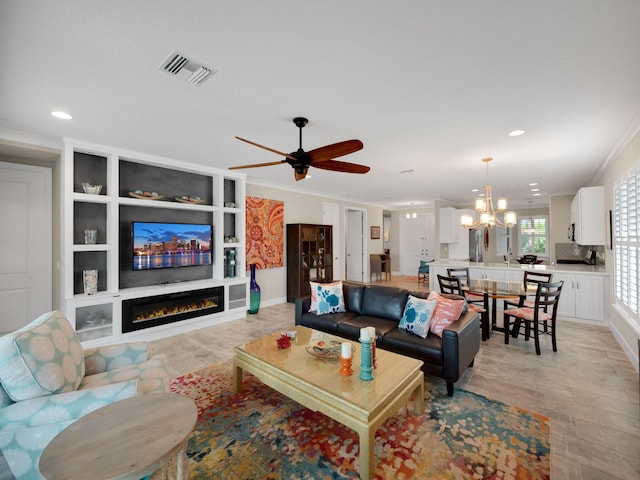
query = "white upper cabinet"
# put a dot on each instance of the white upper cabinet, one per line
(587, 215)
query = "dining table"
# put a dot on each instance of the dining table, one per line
(496, 290)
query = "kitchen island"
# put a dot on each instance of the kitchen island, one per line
(585, 294)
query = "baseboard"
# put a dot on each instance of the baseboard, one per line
(626, 348)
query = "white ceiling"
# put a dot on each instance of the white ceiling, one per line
(427, 85)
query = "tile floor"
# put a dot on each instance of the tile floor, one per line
(588, 388)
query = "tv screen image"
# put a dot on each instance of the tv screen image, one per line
(170, 245)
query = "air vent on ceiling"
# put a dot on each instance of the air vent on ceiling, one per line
(178, 64)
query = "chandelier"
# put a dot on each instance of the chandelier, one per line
(486, 211)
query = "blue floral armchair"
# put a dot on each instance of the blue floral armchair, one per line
(47, 381)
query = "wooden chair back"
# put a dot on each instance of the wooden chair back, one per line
(460, 272)
(450, 285)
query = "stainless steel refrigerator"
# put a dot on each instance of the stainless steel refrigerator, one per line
(475, 245)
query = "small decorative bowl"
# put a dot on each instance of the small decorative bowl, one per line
(91, 189)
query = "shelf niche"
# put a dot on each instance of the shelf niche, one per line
(166, 182)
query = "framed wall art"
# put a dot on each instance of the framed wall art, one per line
(375, 233)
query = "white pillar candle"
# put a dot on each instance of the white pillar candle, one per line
(346, 350)
(365, 334)
(372, 332)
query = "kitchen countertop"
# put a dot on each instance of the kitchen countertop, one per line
(569, 268)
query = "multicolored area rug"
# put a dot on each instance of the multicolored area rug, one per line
(261, 434)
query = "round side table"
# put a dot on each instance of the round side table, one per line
(128, 439)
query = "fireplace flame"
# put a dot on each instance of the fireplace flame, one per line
(178, 309)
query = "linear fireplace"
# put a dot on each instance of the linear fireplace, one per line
(140, 313)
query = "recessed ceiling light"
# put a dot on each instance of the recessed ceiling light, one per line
(537, 194)
(535, 189)
(533, 184)
(516, 133)
(475, 190)
(62, 115)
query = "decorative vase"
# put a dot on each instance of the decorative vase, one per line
(254, 291)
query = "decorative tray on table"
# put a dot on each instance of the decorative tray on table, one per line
(326, 349)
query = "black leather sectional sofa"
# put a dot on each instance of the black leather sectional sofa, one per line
(382, 307)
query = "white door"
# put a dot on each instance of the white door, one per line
(330, 216)
(25, 244)
(355, 247)
(417, 240)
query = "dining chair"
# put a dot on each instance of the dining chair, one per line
(463, 274)
(453, 286)
(530, 281)
(542, 314)
(423, 272)
(375, 267)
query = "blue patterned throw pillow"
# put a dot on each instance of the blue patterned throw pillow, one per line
(330, 299)
(417, 316)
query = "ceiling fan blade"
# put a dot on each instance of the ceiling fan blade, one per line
(266, 148)
(268, 164)
(334, 150)
(339, 166)
(300, 175)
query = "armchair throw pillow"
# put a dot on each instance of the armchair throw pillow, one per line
(42, 358)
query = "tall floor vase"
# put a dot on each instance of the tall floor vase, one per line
(254, 291)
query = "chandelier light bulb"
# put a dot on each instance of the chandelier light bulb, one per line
(486, 210)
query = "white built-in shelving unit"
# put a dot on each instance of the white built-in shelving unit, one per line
(98, 318)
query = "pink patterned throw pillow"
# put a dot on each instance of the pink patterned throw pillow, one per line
(447, 311)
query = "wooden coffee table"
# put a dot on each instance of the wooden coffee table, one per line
(317, 384)
(125, 440)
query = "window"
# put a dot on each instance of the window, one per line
(503, 241)
(533, 235)
(626, 204)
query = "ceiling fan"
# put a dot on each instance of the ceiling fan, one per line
(322, 157)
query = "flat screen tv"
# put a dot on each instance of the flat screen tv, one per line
(170, 245)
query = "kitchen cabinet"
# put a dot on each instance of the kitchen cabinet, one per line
(587, 216)
(583, 296)
(448, 225)
(453, 233)
(478, 273)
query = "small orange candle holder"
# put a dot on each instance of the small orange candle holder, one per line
(346, 369)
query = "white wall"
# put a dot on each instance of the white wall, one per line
(622, 327)
(303, 208)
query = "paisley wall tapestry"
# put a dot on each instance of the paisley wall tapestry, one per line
(265, 232)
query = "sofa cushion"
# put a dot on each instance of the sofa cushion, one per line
(447, 311)
(330, 299)
(42, 358)
(351, 328)
(429, 349)
(417, 316)
(385, 302)
(353, 294)
(325, 323)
